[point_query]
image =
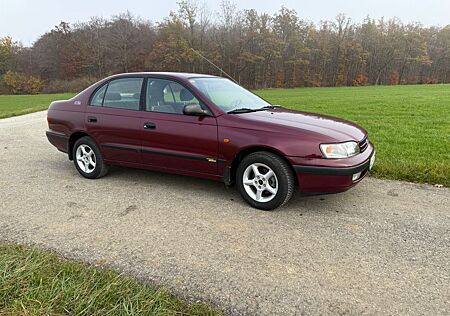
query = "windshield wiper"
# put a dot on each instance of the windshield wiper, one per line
(267, 107)
(247, 110)
(242, 110)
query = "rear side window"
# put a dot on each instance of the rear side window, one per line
(97, 99)
(122, 93)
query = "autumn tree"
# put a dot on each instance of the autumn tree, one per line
(259, 50)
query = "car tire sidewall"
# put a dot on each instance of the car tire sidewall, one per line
(99, 169)
(284, 177)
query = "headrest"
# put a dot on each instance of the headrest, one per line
(113, 96)
(185, 95)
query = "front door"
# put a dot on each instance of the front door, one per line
(113, 119)
(172, 140)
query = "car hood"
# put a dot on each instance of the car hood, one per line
(281, 119)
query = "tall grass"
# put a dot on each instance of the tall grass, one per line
(36, 283)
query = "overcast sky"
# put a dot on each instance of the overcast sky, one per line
(26, 20)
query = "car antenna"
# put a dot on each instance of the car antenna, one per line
(209, 61)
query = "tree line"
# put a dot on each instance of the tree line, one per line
(258, 50)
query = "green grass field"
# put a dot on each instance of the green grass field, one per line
(12, 105)
(36, 283)
(409, 125)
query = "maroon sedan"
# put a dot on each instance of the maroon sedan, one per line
(208, 127)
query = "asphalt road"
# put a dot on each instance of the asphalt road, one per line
(380, 248)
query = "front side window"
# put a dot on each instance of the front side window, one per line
(124, 93)
(168, 96)
(227, 95)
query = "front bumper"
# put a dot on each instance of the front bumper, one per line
(319, 175)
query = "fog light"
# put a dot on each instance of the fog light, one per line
(356, 176)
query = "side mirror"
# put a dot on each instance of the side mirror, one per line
(195, 110)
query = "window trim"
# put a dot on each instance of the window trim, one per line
(143, 100)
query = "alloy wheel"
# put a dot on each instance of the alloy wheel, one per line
(260, 182)
(86, 159)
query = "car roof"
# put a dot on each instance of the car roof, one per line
(181, 75)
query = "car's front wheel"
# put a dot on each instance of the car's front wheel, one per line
(88, 159)
(265, 180)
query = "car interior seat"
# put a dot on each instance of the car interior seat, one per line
(186, 96)
(156, 102)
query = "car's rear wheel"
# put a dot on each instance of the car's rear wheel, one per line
(265, 180)
(87, 158)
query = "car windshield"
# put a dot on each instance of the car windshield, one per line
(227, 95)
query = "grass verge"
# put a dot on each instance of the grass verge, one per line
(33, 282)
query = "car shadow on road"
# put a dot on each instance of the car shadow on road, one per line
(216, 192)
(220, 193)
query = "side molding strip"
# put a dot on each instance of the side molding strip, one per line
(119, 147)
(162, 153)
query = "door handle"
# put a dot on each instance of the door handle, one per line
(149, 125)
(92, 119)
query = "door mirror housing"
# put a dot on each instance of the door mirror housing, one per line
(195, 110)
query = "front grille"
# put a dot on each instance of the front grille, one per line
(363, 145)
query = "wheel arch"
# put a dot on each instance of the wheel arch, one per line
(249, 150)
(72, 139)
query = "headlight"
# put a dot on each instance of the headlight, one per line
(341, 150)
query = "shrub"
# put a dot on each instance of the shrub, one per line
(360, 80)
(17, 83)
(394, 78)
(3, 88)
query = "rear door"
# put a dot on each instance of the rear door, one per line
(172, 140)
(113, 119)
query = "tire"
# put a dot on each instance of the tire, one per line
(87, 159)
(253, 176)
